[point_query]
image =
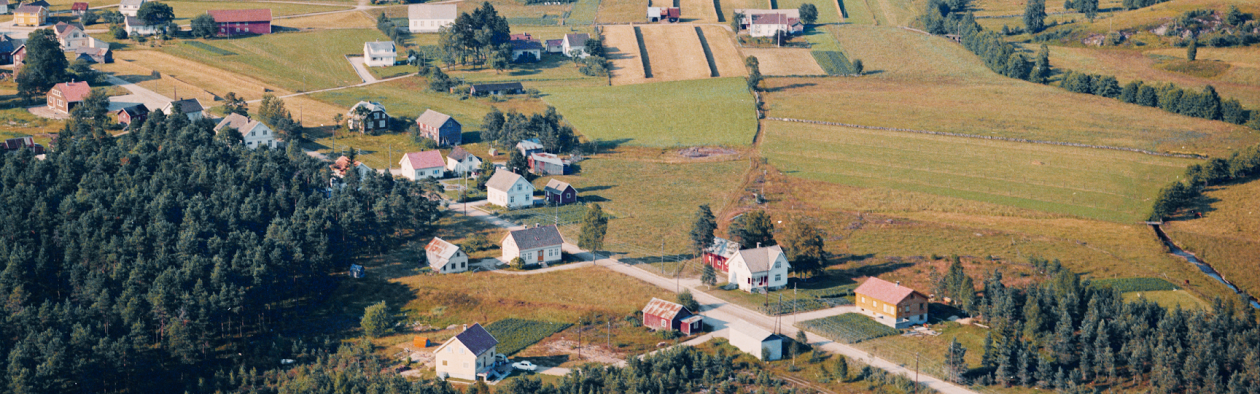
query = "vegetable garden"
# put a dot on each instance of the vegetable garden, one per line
(517, 334)
(848, 328)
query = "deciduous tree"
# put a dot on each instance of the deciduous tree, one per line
(804, 247)
(594, 227)
(753, 229)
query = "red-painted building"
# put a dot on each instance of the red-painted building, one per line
(664, 315)
(719, 253)
(242, 22)
(559, 192)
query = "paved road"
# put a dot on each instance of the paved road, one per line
(138, 95)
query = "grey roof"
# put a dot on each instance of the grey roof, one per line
(138, 109)
(497, 86)
(502, 180)
(477, 339)
(134, 3)
(28, 9)
(40, 3)
(746, 328)
(577, 40)
(549, 158)
(7, 44)
(537, 237)
(530, 144)
(723, 247)
(557, 186)
(759, 259)
(381, 47)
(459, 154)
(433, 118)
(188, 106)
(371, 106)
(239, 122)
(431, 11)
(134, 21)
(440, 252)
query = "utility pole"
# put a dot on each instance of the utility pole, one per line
(579, 340)
(916, 372)
(609, 334)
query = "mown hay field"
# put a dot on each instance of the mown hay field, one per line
(1091, 183)
(1227, 237)
(675, 52)
(1240, 79)
(273, 58)
(785, 61)
(340, 20)
(828, 12)
(722, 44)
(624, 11)
(186, 10)
(623, 51)
(139, 66)
(1175, 299)
(929, 83)
(710, 111)
(698, 11)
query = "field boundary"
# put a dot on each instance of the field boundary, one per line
(840, 7)
(708, 53)
(987, 137)
(717, 9)
(643, 55)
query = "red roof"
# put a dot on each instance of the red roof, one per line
(74, 91)
(426, 159)
(673, 13)
(883, 290)
(662, 309)
(254, 15)
(79, 7)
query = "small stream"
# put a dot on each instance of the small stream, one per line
(1202, 266)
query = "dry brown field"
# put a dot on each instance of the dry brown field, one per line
(674, 53)
(785, 61)
(340, 20)
(725, 55)
(623, 51)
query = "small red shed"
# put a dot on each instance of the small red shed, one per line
(664, 315)
(719, 253)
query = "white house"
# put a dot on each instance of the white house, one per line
(191, 107)
(574, 45)
(445, 257)
(461, 162)
(468, 355)
(130, 7)
(764, 267)
(765, 23)
(538, 245)
(428, 18)
(506, 189)
(253, 133)
(136, 26)
(379, 54)
(752, 340)
(71, 36)
(420, 165)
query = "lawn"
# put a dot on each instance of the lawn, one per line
(1091, 183)
(1240, 76)
(930, 351)
(1171, 299)
(272, 58)
(848, 328)
(391, 71)
(1228, 235)
(944, 88)
(712, 111)
(186, 10)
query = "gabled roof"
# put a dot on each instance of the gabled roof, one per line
(426, 159)
(554, 43)
(663, 309)
(74, 91)
(239, 122)
(90, 50)
(673, 12)
(64, 29)
(520, 36)
(558, 186)
(723, 247)
(342, 163)
(883, 290)
(133, 3)
(135, 110)
(529, 144)
(750, 330)
(385, 47)
(29, 9)
(433, 119)
(7, 44)
(761, 259)
(442, 249)
(549, 158)
(188, 106)
(525, 45)
(459, 154)
(502, 180)
(371, 106)
(40, 3)
(431, 11)
(577, 40)
(476, 339)
(251, 15)
(790, 12)
(134, 22)
(770, 19)
(537, 237)
(79, 6)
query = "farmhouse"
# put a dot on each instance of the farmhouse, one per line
(132, 114)
(548, 164)
(440, 128)
(71, 36)
(529, 147)
(379, 54)
(468, 355)
(79, 8)
(254, 134)
(238, 22)
(371, 118)
(663, 14)
(506, 189)
(421, 165)
(538, 245)
(445, 257)
(525, 44)
(495, 88)
(890, 303)
(30, 15)
(575, 45)
(461, 162)
(764, 23)
(343, 164)
(130, 7)
(763, 267)
(756, 341)
(191, 108)
(95, 55)
(559, 192)
(664, 315)
(554, 46)
(63, 97)
(720, 252)
(428, 18)
(136, 26)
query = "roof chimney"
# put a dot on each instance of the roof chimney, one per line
(898, 283)
(759, 244)
(465, 327)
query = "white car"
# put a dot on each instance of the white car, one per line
(524, 365)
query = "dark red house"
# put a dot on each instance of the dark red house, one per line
(719, 253)
(559, 192)
(664, 315)
(133, 114)
(242, 22)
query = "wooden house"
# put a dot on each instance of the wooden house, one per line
(132, 114)
(509, 190)
(30, 15)
(757, 341)
(481, 89)
(548, 164)
(559, 192)
(538, 245)
(719, 253)
(469, 355)
(759, 268)
(242, 22)
(421, 165)
(63, 97)
(445, 257)
(459, 161)
(440, 128)
(664, 315)
(891, 304)
(373, 118)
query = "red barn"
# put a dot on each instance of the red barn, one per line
(719, 252)
(664, 315)
(239, 22)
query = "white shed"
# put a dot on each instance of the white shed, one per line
(445, 257)
(752, 339)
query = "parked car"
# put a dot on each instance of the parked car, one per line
(524, 365)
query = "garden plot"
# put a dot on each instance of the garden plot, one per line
(785, 61)
(623, 51)
(675, 53)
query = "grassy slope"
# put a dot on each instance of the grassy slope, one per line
(946, 88)
(1228, 235)
(1241, 80)
(715, 111)
(272, 58)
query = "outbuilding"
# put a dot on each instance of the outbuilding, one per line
(444, 257)
(242, 22)
(548, 164)
(719, 253)
(482, 89)
(757, 341)
(664, 315)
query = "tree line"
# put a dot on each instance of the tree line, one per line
(1064, 332)
(952, 17)
(1242, 164)
(1206, 104)
(136, 263)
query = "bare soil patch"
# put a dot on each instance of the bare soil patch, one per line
(703, 152)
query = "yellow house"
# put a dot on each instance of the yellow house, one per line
(30, 15)
(469, 355)
(891, 304)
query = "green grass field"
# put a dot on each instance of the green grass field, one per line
(1128, 285)
(827, 10)
(1228, 235)
(1169, 299)
(716, 111)
(186, 10)
(273, 58)
(1237, 69)
(1098, 184)
(516, 334)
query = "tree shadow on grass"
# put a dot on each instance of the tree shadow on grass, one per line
(788, 87)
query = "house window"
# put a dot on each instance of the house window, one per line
(443, 363)
(778, 277)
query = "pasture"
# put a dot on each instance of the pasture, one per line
(624, 11)
(1227, 237)
(1015, 8)
(711, 111)
(785, 61)
(1170, 299)
(186, 10)
(272, 58)
(675, 52)
(1240, 77)
(340, 20)
(828, 11)
(623, 51)
(1089, 183)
